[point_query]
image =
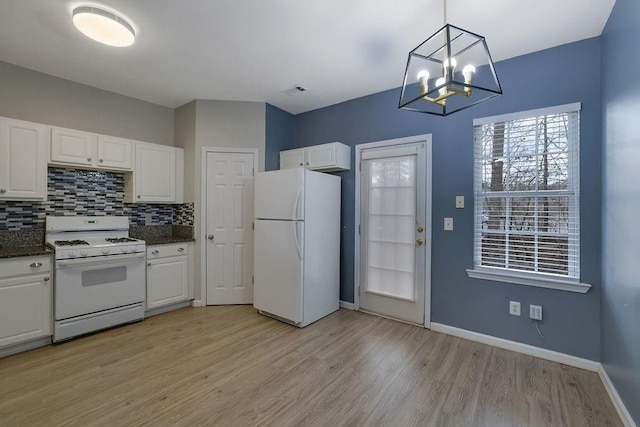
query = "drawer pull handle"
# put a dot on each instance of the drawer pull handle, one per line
(46, 279)
(35, 264)
(156, 252)
(180, 249)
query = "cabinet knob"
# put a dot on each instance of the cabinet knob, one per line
(307, 163)
(148, 264)
(138, 196)
(35, 264)
(88, 159)
(180, 249)
(210, 237)
(2, 190)
(155, 252)
(100, 160)
(46, 279)
(301, 164)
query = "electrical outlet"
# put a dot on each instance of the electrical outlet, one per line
(535, 312)
(148, 219)
(514, 308)
(448, 224)
(459, 202)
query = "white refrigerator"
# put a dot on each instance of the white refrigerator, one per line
(297, 245)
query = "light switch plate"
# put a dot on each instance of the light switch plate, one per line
(448, 224)
(459, 202)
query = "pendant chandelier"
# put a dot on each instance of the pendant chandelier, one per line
(450, 71)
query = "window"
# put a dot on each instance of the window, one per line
(527, 198)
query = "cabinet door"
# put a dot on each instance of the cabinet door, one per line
(292, 159)
(73, 147)
(155, 173)
(23, 160)
(320, 156)
(114, 153)
(25, 309)
(167, 281)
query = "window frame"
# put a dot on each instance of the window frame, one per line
(570, 282)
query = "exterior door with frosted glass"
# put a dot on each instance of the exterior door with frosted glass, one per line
(393, 257)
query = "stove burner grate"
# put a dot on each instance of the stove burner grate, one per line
(70, 242)
(120, 239)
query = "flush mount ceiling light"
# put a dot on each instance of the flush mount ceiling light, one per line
(432, 84)
(103, 26)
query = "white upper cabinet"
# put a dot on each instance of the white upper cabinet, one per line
(292, 158)
(331, 157)
(157, 175)
(114, 153)
(23, 160)
(72, 147)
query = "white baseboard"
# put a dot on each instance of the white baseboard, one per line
(347, 305)
(531, 350)
(197, 303)
(29, 345)
(166, 309)
(615, 398)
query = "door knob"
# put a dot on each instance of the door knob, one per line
(419, 242)
(210, 237)
(420, 229)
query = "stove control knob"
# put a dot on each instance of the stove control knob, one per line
(84, 253)
(105, 251)
(71, 254)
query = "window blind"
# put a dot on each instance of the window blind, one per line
(527, 191)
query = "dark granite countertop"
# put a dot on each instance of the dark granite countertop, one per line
(162, 234)
(16, 243)
(17, 251)
(165, 240)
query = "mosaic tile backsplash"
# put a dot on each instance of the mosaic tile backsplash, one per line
(81, 192)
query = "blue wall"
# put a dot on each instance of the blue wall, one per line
(278, 135)
(621, 232)
(566, 74)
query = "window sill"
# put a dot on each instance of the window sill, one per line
(529, 279)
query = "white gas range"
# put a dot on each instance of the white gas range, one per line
(99, 279)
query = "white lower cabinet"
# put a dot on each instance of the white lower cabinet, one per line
(25, 299)
(167, 275)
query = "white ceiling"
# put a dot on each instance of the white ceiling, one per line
(250, 50)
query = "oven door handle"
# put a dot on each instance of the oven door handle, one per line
(102, 260)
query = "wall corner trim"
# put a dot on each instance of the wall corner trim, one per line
(197, 303)
(615, 397)
(554, 356)
(347, 305)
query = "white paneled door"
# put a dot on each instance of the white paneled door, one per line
(229, 217)
(393, 231)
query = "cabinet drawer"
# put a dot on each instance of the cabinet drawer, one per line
(25, 265)
(161, 251)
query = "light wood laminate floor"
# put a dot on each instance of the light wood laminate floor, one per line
(230, 366)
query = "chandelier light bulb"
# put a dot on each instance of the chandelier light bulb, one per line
(468, 71)
(423, 78)
(442, 90)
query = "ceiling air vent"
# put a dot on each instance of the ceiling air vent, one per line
(294, 90)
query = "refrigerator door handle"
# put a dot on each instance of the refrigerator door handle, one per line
(296, 204)
(296, 236)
